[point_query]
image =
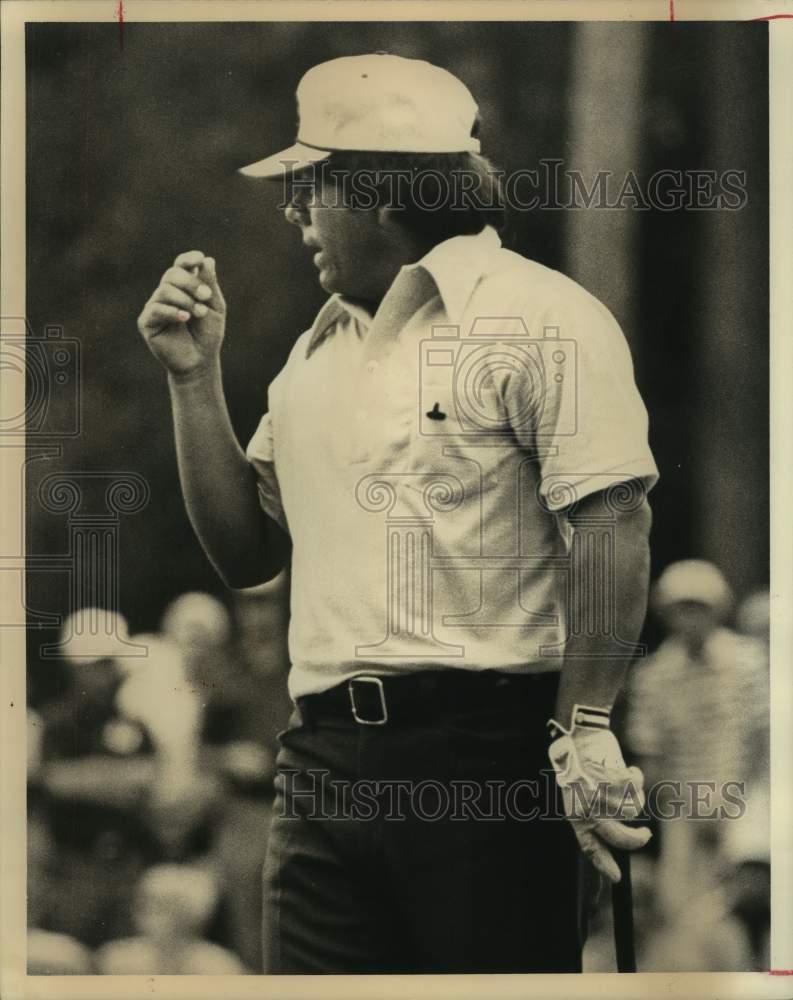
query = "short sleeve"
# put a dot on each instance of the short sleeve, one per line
(261, 454)
(586, 418)
(262, 448)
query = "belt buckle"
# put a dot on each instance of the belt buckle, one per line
(379, 685)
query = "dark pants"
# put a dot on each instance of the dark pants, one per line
(443, 873)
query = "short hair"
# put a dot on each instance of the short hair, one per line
(435, 195)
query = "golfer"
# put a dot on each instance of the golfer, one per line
(454, 462)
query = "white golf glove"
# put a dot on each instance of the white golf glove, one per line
(598, 789)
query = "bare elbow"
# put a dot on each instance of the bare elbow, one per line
(258, 563)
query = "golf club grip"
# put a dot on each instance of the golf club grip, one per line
(622, 908)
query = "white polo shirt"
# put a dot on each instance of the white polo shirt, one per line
(421, 459)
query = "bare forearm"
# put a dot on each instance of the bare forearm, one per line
(613, 596)
(219, 485)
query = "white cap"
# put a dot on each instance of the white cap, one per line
(693, 580)
(377, 103)
(89, 635)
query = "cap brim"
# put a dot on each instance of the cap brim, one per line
(286, 162)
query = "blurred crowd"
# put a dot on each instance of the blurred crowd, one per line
(695, 717)
(151, 764)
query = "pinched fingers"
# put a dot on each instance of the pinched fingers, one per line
(190, 258)
(187, 282)
(173, 296)
(157, 315)
(208, 272)
(203, 269)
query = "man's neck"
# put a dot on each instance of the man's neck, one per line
(368, 305)
(414, 251)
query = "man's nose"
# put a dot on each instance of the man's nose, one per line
(294, 213)
(299, 200)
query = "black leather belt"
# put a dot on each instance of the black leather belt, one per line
(372, 700)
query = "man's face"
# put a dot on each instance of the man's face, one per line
(352, 252)
(693, 621)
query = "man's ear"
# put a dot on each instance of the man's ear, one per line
(389, 218)
(391, 223)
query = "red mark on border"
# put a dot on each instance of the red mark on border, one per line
(120, 16)
(776, 972)
(671, 10)
(775, 17)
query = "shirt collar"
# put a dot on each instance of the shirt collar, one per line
(335, 307)
(455, 266)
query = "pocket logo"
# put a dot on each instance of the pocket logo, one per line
(436, 413)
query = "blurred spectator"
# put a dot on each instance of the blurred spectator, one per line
(172, 907)
(262, 615)
(240, 843)
(158, 694)
(241, 679)
(159, 756)
(196, 621)
(697, 712)
(82, 719)
(704, 937)
(747, 845)
(93, 771)
(247, 745)
(753, 616)
(747, 875)
(51, 954)
(199, 625)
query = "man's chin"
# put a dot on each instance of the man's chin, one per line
(327, 281)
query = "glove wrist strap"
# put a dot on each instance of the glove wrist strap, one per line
(581, 717)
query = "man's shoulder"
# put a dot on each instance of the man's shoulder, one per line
(330, 313)
(534, 289)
